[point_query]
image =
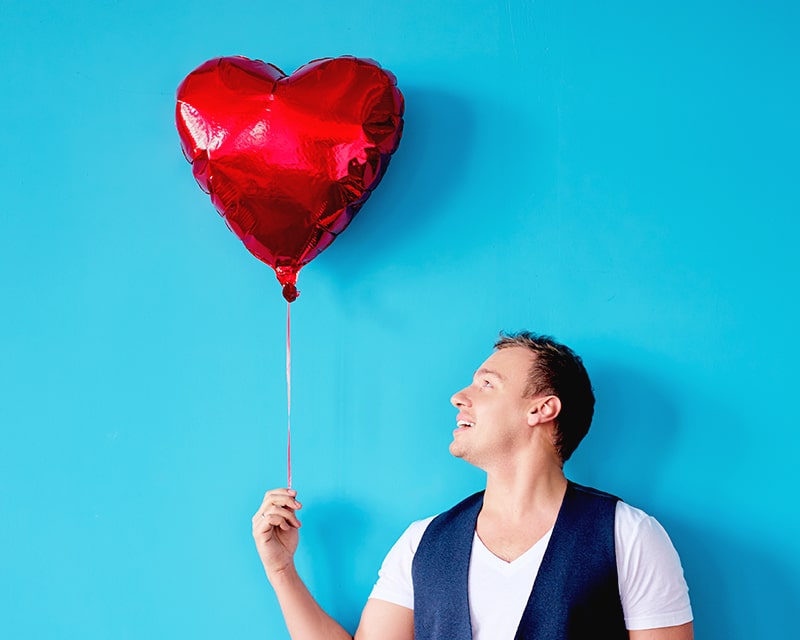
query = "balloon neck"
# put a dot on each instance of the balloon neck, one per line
(287, 276)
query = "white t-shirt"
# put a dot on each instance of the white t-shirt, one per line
(651, 583)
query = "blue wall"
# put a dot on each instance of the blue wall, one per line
(621, 175)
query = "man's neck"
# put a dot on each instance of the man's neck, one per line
(524, 492)
(519, 507)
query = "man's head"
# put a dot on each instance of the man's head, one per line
(556, 370)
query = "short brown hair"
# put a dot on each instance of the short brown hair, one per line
(557, 370)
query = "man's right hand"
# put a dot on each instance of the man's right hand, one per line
(275, 526)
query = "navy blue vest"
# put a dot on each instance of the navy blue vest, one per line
(575, 595)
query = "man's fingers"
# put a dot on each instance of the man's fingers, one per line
(281, 498)
(275, 516)
(274, 493)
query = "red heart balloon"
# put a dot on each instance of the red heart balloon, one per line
(289, 160)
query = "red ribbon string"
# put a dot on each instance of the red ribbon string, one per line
(289, 393)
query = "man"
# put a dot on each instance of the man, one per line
(533, 557)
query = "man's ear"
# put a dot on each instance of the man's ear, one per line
(544, 409)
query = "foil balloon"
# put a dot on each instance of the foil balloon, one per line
(289, 160)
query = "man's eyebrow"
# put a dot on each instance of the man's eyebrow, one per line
(483, 371)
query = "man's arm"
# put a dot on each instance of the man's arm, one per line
(275, 531)
(383, 620)
(681, 632)
(275, 526)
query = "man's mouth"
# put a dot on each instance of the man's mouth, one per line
(464, 424)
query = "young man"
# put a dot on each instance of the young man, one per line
(534, 556)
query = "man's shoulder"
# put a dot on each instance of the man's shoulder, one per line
(591, 491)
(473, 502)
(414, 532)
(627, 517)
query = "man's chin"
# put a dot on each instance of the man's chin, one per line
(456, 450)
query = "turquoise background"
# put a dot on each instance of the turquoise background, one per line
(620, 175)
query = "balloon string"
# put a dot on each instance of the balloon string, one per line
(289, 393)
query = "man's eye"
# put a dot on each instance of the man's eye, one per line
(486, 384)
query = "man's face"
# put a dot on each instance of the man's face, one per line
(492, 420)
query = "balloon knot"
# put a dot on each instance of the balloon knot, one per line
(290, 292)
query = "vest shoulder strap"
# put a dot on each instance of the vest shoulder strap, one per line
(440, 572)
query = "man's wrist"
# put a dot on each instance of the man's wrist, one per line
(282, 575)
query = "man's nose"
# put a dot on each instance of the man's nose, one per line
(459, 399)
